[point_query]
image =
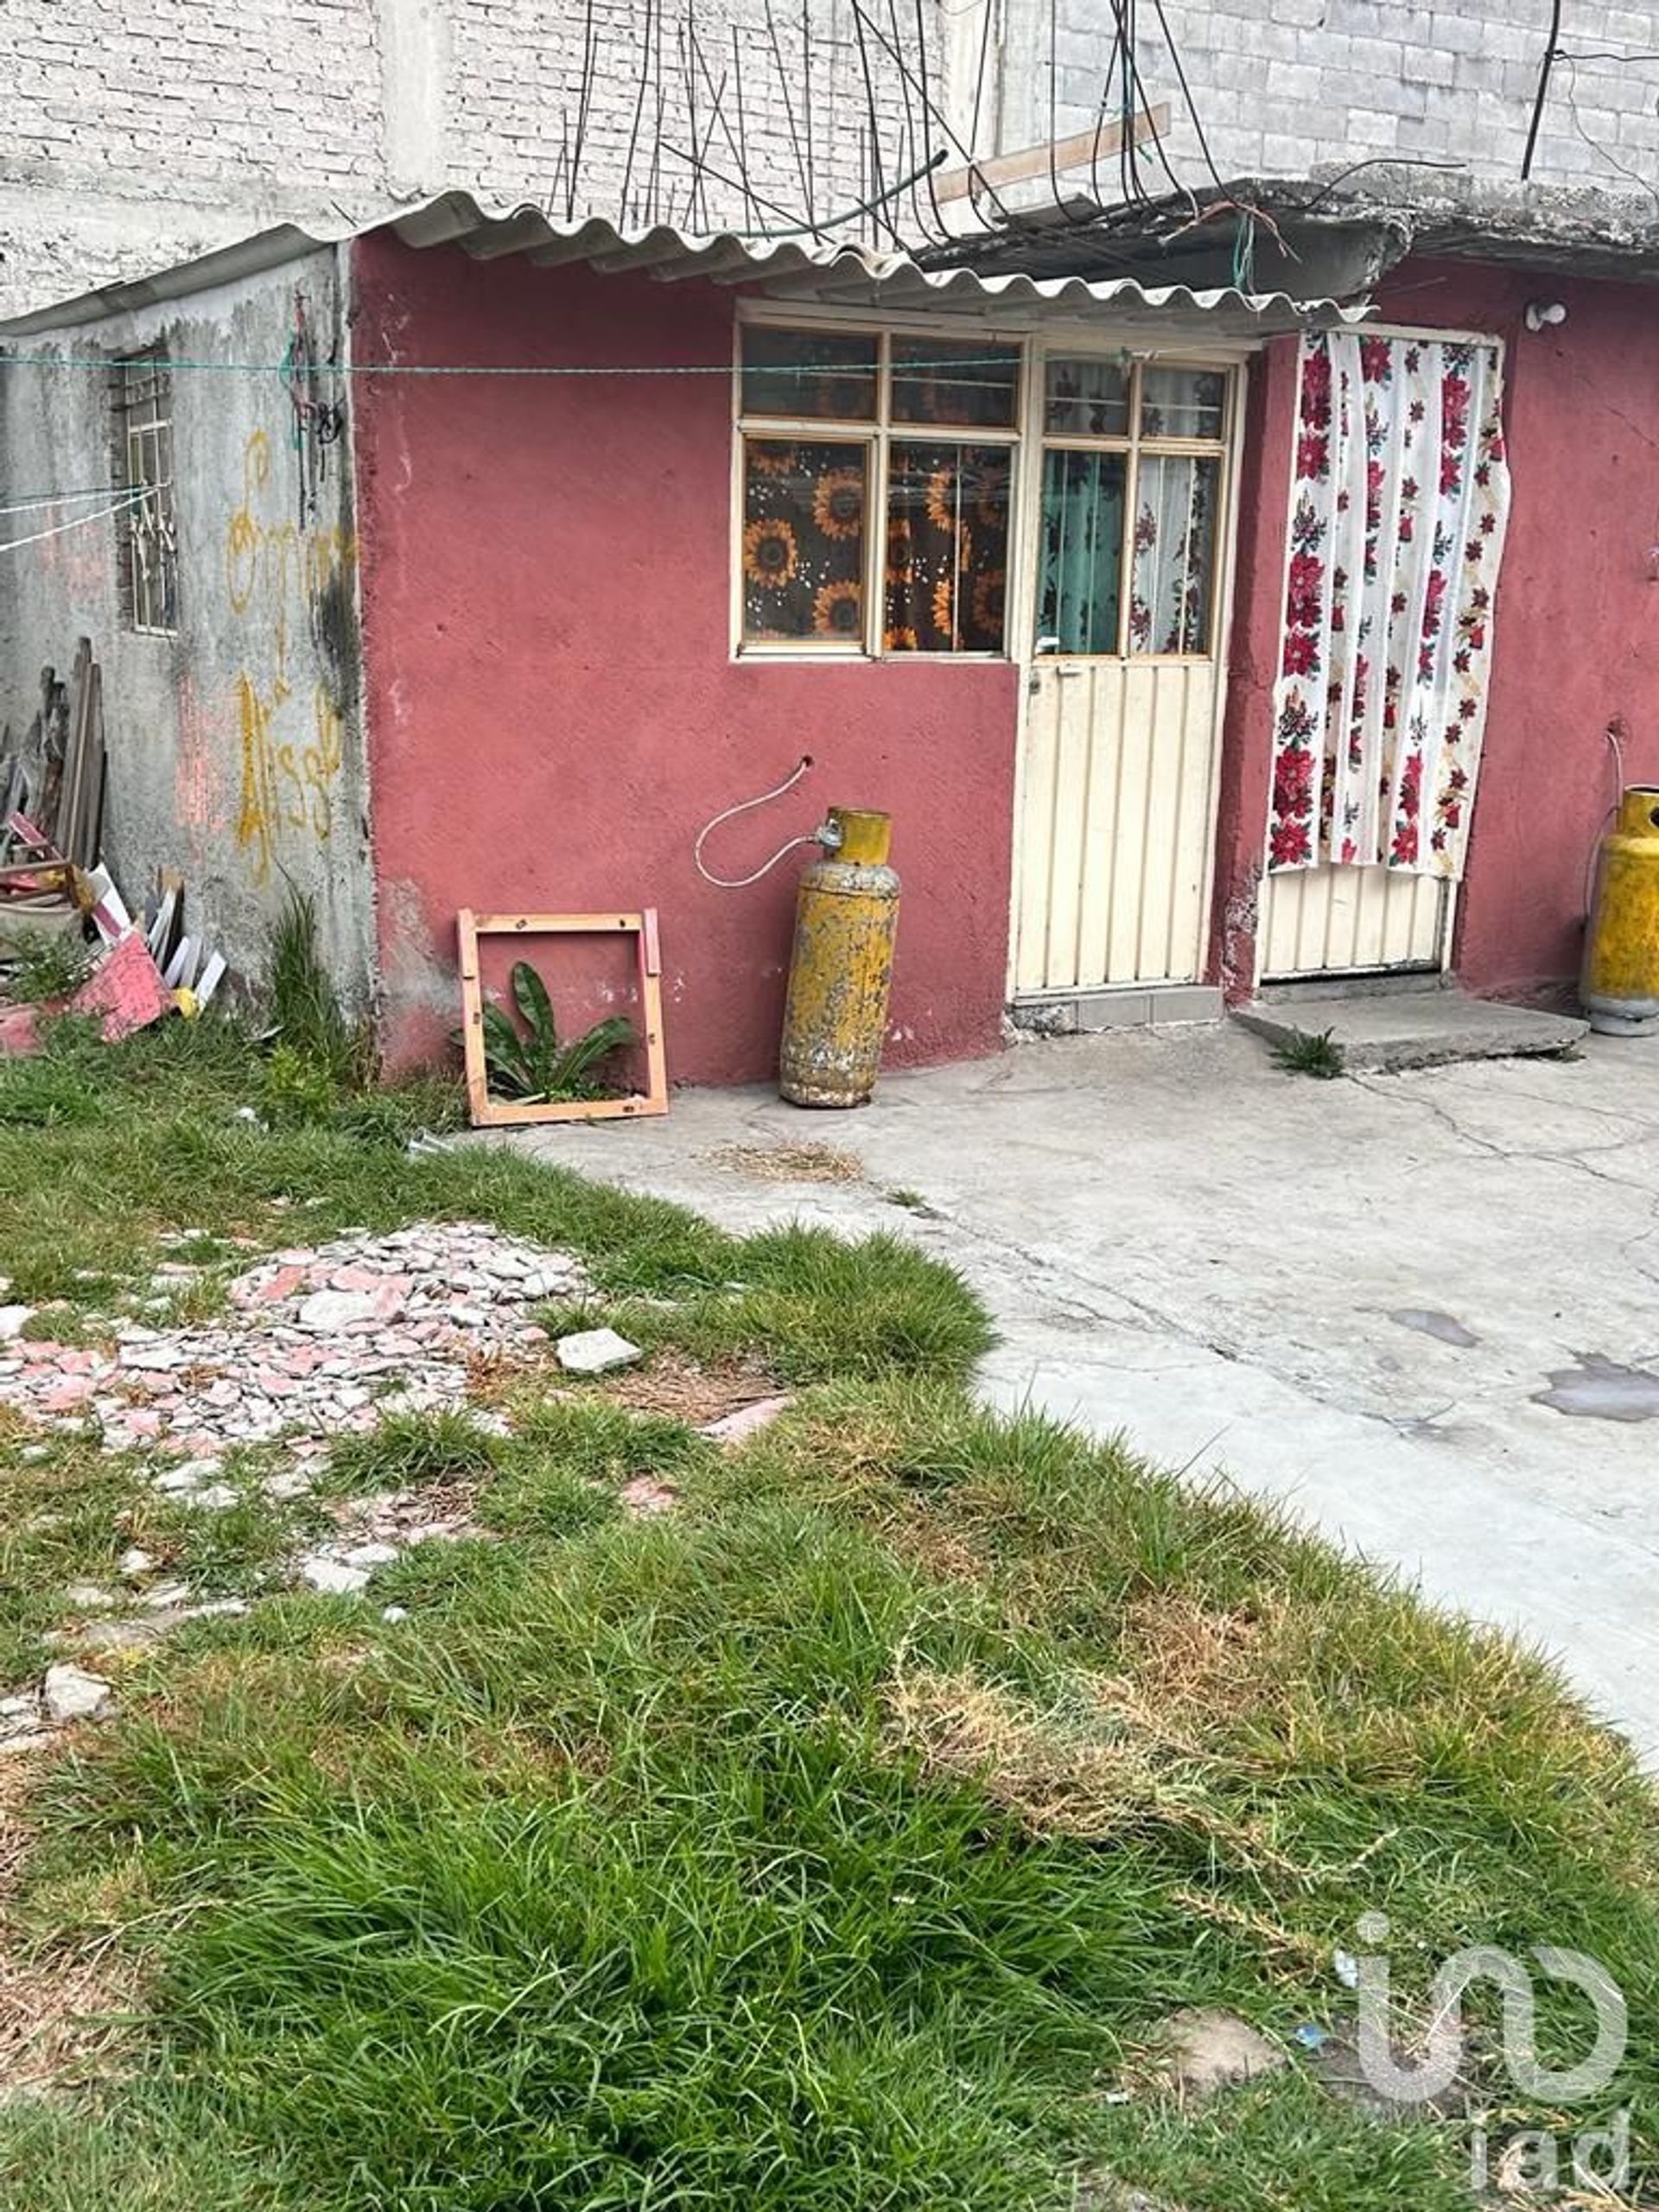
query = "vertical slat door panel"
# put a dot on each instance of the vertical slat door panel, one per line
(1130, 857)
(1115, 803)
(1073, 754)
(1036, 832)
(1101, 823)
(1333, 921)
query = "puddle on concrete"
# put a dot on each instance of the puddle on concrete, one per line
(1602, 1390)
(1428, 1323)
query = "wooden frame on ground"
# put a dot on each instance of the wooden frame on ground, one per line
(492, 1113)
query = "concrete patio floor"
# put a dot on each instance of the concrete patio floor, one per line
(1272, 1277)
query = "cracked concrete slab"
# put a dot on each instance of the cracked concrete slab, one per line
(1385, 1032)
(1184, 1245)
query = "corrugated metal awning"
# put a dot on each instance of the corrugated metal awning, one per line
(811, 270)
(824, 272)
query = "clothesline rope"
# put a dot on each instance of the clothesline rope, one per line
(79, 521)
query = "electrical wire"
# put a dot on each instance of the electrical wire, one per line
(1378, 161)
(1542, 92)
(746, 806)
(1186, 94)
(1133, 85)
(1632, 176)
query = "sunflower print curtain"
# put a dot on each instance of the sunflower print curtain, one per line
(946, 547)
(803, 539)
(947, 553)
(1400, 501)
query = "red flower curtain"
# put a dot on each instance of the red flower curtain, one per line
(1399, 502)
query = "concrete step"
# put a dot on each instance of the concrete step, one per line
(1387, 1031)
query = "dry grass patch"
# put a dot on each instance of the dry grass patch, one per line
(55, 2005)
(806, 1162)
(1096, 1763)
(494, 1377)
(689, 1389)
(1188, 1659)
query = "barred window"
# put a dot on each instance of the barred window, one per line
(146, 536)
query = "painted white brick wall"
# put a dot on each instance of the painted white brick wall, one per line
(129, 141)
(1283, 87)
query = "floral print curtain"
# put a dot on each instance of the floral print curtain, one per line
(1399, 503)
(1174, 546)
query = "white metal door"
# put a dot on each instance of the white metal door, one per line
(1120, 737)
(1120, 760)
(1333, 921)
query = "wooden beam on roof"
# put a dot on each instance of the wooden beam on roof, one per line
(1054, 157)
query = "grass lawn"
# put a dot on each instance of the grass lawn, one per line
(836, 1841)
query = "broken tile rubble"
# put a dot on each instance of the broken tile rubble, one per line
(318, 1341)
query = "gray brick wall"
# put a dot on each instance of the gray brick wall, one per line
(129, 141)
(127, 144)
(1288, 86)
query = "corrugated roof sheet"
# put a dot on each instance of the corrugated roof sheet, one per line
(814, 272)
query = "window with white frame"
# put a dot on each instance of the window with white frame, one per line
(146, 535)
(1127, 439)
(877, 473)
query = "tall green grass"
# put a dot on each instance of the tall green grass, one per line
(835, 1842)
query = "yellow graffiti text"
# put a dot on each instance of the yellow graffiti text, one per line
(284, 789)
(278, 578)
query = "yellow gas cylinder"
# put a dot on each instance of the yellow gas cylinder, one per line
(846, 919)
(1621, 953)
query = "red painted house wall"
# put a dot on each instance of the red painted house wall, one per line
(553, 710)
(1253, 667)
(1576, 634)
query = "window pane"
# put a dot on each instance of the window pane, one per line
(1183, 402)
(803, 540)
(1081, 556)
(817, 373)
(1174, 554)
(1086, 398)
(947, 548)
(954, 380)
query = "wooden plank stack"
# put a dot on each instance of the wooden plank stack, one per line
(52, 871)
(52, 789)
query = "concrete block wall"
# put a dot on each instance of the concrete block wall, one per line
(235, 746)
(127, 143)
(1283, 87)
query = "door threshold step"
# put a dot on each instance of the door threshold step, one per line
(1384, 1033)
(1363, 983)
(1146, 1006)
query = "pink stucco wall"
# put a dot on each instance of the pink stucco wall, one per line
(552, 705)
(1576, 635)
